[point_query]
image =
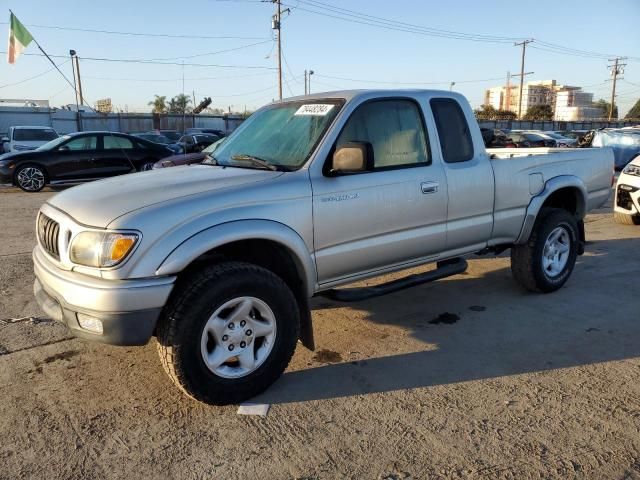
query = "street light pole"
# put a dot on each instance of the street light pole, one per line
(311, 72)
(451, 85)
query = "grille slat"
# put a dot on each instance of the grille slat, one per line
(48, 232)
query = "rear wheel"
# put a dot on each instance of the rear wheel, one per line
(546, 261)
(228, 332)
(30, 178)
(626, 219)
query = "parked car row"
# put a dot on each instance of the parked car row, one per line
(79, 157)
(505, 138)
(32, 157)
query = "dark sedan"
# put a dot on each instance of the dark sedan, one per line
(526, 140)
(161, 139)
(79, 157)
(197, 142)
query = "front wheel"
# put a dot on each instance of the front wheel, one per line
(228, 332)
(30, 178)
(546, 261)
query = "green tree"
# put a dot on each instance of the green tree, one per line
(485, 112)
(634, 113)
(159, 104)
(179, 104)
(605, 106)
(505, 115)
(539, 112)
(488, 112)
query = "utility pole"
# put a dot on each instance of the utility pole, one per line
(522, 74)
(276, 25)
(616, 69)
(305, 82)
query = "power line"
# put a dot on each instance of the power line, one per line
(152, 62)
(31, 78)
(352, 15)
(194, 79)
(141, 34)
(213, 53)
(371, 20)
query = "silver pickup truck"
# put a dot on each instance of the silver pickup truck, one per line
(218, 261)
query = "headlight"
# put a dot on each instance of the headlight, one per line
(632, 170)
(101, 249)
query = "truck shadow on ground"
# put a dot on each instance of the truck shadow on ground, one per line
(501, 330)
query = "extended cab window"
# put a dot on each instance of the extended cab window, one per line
(394, 129)
(453, 130)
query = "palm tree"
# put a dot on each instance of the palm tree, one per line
(179, 104)
(159, 104)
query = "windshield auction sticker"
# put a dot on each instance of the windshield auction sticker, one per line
(315, 109)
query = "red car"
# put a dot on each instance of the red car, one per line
(187, 158)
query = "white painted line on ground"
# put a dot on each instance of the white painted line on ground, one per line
(260, 409)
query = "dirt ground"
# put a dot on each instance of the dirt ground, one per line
(468, 377)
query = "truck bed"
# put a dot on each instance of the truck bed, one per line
(521, 173)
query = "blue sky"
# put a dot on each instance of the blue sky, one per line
(330, 46)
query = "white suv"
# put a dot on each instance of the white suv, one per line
(27, 138)
(626, 208)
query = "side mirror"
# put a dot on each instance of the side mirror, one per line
(63, 148)
(352, 157)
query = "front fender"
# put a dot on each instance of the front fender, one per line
(229, 232)
(551, 186)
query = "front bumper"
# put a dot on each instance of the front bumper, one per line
(627, 196)
(128, 309)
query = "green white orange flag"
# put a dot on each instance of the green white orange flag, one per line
(19, 38)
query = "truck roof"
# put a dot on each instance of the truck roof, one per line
(351, 94)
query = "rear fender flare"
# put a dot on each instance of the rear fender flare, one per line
(551, 186)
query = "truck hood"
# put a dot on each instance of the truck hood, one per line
(99, 203)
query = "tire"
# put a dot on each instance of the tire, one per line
(626, 219)
(146, 166)
(30, 178)
(183, 344)
(531, 263)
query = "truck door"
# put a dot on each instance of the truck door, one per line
(390, 216)
(469, 178)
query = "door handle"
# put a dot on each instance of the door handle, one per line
(429, 187)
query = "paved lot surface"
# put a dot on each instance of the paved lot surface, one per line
(508, 384)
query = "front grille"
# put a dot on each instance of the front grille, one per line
(48, 232)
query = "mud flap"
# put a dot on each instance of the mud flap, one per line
(581, 237)
(306, 324)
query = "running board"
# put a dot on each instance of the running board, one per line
(445, 269)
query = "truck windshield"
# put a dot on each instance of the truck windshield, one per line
(283, 134)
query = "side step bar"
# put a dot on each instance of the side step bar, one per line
(446, 268)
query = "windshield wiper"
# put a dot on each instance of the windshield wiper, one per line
(254, 160)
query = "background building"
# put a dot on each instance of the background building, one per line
(567, 102)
